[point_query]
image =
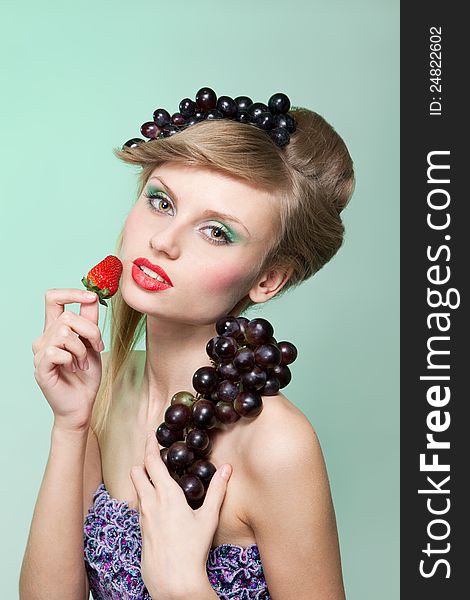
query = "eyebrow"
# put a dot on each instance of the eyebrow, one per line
(208, 213)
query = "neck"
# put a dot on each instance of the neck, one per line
(174, 351)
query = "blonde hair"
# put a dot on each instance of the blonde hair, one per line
(312, 177)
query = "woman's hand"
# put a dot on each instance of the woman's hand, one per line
(68, 342)
(175, 538)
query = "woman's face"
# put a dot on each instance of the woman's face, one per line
(212, 260)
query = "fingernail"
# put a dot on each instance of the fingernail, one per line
(226, 472)
(90, 295)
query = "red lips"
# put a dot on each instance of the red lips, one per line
(147, 282)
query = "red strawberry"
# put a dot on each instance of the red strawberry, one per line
(103, 278)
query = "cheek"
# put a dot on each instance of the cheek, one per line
(219, 280)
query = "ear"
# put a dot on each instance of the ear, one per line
(270, 284)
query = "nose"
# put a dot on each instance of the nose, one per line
(167, 240)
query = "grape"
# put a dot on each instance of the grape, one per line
(243, 102)
(279, 135)
(242, 323)
(227, 106)
(225, 347)
(227, 391)
(163, 455)
(210, 348)
(169, 130)
(187, 107)
(225, 412)
(205, 452)
(150, 130)
(177, 416)
(264, 120)
(243, 116)
(254, 110)
(167, 436)
(227, 370)
(203, 469)
(206, 99)
(213, 113)
(248, 404)
(179, 456)
(192, 486)
(183, 398)
(204, 414)
(254, 379)
(178, 119)
(258, 331)
(288, 352)
(227, 326)
(161, 117)
(205, 379)
(282, 372)
(271, 387)
(197, 439)
(279, 103)
(244, 359)
(267, 356)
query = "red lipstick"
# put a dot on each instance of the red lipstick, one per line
(146, 281)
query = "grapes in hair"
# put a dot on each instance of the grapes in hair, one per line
(247, 364)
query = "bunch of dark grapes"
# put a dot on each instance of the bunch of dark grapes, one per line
(246, 364)
(272, 117)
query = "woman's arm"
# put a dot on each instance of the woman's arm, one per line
(53, 565)
(292, 515)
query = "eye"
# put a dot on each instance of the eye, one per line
(163, 202)
(219, 234)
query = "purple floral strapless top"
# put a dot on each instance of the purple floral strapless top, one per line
(113, 547)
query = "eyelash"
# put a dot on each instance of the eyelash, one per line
(150, 195)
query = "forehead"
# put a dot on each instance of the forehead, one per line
(203, 188)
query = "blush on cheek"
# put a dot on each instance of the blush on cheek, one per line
(221, 280)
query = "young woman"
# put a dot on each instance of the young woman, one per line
(229, 219)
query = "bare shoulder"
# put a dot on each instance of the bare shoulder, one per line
(285, 469)
(284, 431)
(282, 445)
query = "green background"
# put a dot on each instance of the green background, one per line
(80, 79)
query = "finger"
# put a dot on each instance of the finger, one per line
(89, 310)
(155, 466)
(143, 487)
(53, 357)
(216, 491)
(89, 333)
(57, 298)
